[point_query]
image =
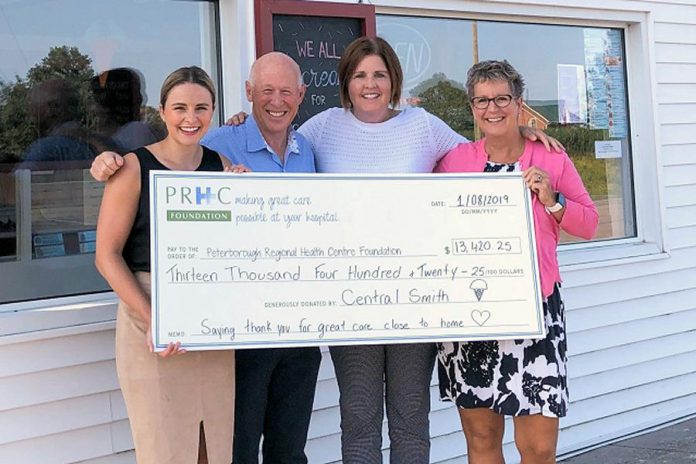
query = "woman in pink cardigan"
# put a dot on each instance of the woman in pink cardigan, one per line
(526, 379)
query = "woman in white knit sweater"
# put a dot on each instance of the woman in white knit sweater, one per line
(369, 134)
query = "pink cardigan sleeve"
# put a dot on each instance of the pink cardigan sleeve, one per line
(581, 217)
(444, 164)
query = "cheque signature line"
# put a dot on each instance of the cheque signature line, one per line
(424, 303)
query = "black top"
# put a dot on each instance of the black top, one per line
(136, 251)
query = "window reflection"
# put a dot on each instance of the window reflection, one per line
(576, 92)
(78, 77)
(8, 217)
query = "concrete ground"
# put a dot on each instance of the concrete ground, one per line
(675, 444)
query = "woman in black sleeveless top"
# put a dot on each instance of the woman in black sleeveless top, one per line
(180, 406)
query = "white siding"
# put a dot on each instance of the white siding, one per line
(632, 324)
(60, 401)
(632, 332)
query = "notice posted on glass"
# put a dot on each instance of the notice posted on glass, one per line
(266, 260)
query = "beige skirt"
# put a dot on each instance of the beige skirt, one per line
(168, 398)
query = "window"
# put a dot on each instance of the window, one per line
(78, 77)
(576, 91)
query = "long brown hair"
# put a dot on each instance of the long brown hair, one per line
(186, 74)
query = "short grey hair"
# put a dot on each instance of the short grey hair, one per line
(275, 59)
(493, 70)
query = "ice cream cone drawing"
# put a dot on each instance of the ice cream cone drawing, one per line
(479, 286)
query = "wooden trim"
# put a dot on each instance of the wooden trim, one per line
(265, 9)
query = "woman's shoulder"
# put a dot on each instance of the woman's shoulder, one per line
(411, 117)
(335, 111)
(130, 171)
(464, 157)
(146, 155)
(317, 122)
(541, 154)
(209, 152)
(138, 156)
(415, 112)
(142, 151)
(328, 114)
(552, 161)
(421, 113)
(212, 160)
(433, 122)
(466, 150)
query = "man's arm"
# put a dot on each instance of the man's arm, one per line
(237, 119)
(105, 165)
(539, 135)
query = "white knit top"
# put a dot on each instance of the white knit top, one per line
(413, 141)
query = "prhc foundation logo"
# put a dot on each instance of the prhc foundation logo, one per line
(195, 197)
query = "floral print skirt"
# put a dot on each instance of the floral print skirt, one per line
(511, 377)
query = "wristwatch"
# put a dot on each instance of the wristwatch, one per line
(560, 204)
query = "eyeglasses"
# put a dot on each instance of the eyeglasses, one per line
(501, 101)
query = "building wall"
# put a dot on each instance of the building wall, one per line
(631, 317)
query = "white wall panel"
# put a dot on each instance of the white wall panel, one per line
(678, 113)
(682, 174)
(633, 354)
(682, 237)
(683, 73)
(675, 52)
(654, 328)
(60, 448)
(631, 288)
(608, 428)
(674, 33)
(681, 216)
(622, 312)
(680, 195)
(674, 155)
(55, 353)
(676, 93)
(58, 416)
(57, 384)
(631, 375)
(121, 439)
(679, 134)
(121, 458)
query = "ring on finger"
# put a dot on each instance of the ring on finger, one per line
(538, 178)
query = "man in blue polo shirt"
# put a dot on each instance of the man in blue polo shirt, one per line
(275, 386)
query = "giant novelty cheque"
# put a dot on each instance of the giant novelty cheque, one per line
(259, 260)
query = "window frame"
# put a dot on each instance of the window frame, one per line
(77, 313)
(650, 240)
